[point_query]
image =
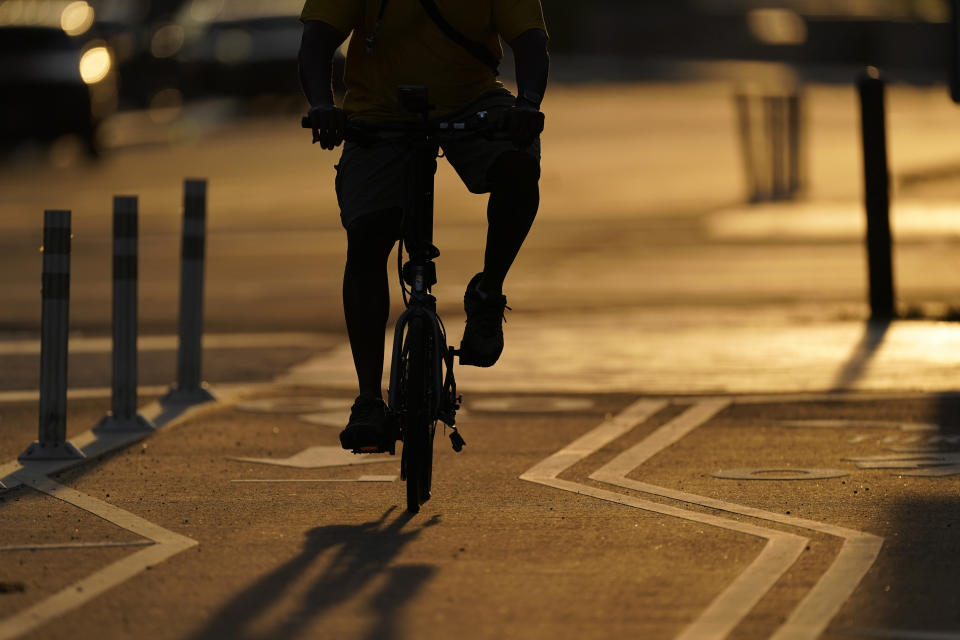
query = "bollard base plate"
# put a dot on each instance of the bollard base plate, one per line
(111, 424)
(57, 451)
(178, 396)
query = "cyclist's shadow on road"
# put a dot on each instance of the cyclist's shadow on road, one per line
(361, 557)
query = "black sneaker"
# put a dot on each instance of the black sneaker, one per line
(483, 336)
(366, 430)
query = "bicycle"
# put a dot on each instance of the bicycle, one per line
(423, 389)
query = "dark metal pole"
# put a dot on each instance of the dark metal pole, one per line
(189, 388)
(55, 320)
(123, 415)
(877, 194)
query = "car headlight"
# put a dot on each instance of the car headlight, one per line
(95, 64)
(77, 18)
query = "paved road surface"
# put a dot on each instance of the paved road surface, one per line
(693, 433)
(566, 516)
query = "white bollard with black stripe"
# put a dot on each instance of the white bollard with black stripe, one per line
(190, 388)
(52, 443)
(123, 416)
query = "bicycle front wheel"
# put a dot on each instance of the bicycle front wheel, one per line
(418, 419)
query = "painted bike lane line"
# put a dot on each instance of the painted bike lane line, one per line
(163, 544)
(730, 607)
(821, 603)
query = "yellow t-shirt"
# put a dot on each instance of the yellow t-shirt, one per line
(410, 49)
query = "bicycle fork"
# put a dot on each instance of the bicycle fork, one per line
(444, 398)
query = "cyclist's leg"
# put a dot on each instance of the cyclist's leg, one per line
(370, 192)
(511, 177)
(366, 292)
(514, 199)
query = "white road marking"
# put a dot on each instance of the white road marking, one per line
(927, 465)
(81, 344)
(360, 479)
(318, 457)
(860, 424)
(532, 404)
(823, 601)
(294, 405)
(663, 437)
(778, 555)
(166, 544)
(92, 393)
(76, 545)
(610, 430)
(94, 445)
(98, 393)
(840, 396)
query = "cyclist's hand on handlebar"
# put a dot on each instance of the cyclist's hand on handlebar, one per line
(329, 124)
(523, 123)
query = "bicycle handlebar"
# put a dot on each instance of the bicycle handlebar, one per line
(478, 123)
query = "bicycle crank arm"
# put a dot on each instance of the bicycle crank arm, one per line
(457, 440)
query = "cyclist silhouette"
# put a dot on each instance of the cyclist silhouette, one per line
(452, 47)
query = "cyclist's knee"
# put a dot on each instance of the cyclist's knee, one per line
(514, 170)
(371, 237)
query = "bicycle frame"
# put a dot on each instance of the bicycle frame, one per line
(429, 360)
(419, 272)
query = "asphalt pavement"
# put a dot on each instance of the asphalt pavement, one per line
(694, 431)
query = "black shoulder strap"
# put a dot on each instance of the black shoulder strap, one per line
(477, 50)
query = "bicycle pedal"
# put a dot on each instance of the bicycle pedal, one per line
(457, 441)
(362, 450)
(371, 450)
(383, 447)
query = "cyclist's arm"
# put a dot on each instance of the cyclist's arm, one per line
(317, 47)
(533, 65)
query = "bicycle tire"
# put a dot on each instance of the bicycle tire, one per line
(418, 419)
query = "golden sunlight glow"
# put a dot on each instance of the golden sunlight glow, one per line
(95, 64)
(777, 26)
(76, 18)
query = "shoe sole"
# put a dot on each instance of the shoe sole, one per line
(470, 360)
(473, 363)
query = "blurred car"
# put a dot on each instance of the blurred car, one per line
(238, 48)
(54, 79)
(144, 63)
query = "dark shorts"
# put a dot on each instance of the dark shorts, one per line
(371, 179)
